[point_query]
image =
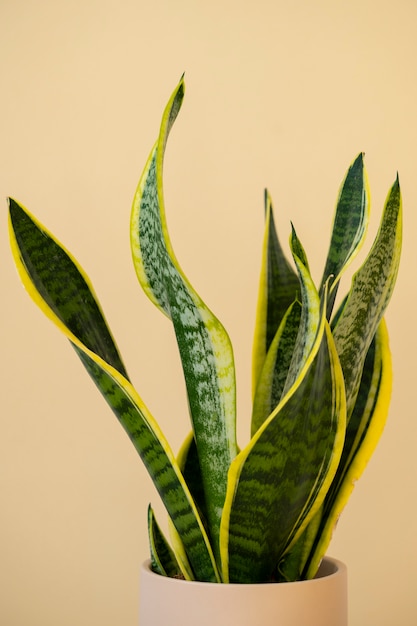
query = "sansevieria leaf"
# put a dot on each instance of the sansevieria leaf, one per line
(163, 559)
(274, 373)
(349, 227)
(56, 282)
(321, 381)
(371, 290)
(204, 345)
(289, 350)
(367, 424)
(362, 343)
(279, 481)
(278, 288)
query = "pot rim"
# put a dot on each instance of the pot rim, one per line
(329, 568)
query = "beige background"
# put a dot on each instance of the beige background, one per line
(279, 94)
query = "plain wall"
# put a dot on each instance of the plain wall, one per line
(279, 94)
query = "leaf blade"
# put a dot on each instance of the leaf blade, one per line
(205, 348)
(363, 433)
(371, 290)
(283, 474)
(274, 373)
(60, 283)
(163, 559)
(349, 227)
(278, 288)
(137, 421)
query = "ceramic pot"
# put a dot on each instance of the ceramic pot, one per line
(318, 602)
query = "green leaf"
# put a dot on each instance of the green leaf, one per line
(362, 343)
(275, 370)
(41, 260)
(310, 314)
(279, 481)
(204, 345)
(371, 290)
(362, 435)
(163, 559)
(349, 227)
(189, 465)
(63, 287)
(278, 288)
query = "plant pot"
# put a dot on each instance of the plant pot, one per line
(318, 602)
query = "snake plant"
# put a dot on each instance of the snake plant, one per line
(321, 381)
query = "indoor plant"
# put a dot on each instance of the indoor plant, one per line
(321, 382)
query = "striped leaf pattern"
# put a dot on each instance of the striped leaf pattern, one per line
(321, 381)
(363, 433)
(349, 227)
(361, 340)
(371, 290)
(278, 288)
(50, 273)
(204, 345)
(278, 482)
(275, 369)
(366, 426)
(43, 264)
(163, 559)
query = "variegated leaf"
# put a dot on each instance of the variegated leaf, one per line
(278, 288)
(362, 435)
(163, 559)
(276, 365)
(204, 345)
(279, 481)
(349, 227)
(371, 290)
(56, 283)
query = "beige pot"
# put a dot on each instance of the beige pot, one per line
(318, 602)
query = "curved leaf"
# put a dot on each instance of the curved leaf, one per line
(204, 345)
(40, 260)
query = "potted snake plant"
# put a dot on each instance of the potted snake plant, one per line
(264, 512)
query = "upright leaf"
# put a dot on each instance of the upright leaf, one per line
(349, 227)
(279, 481)
(163, 559)
(310, 314)
(274, 373)
(204, 345)
(362, 343)
(365, 428)
(371, 290)
(278, 288)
